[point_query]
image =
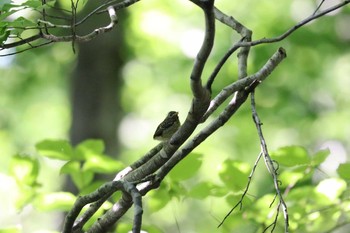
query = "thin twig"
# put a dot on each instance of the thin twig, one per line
(270, 166)
(240, 202)
(318, 7)
(295, 27)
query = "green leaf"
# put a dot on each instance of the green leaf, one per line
(4, 15)
(24, 169)
(124, 227)
(4, 33)
(20, 24)
(291, 156)
(320, 157)
(71, 167)
(102, 164)
(234, 174)
(91, 146)
(175, 189)
(62, 201)
(344, 171)
(292, 176)
(158, 198)
(10, 230)
(32, 4)
(7, 5)
(332, 187)
(150, 228)
(205, 189)
(82, 179)
(187, 168)
(26, 196)
(55, 149)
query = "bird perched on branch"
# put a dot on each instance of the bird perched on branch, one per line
(168, 127)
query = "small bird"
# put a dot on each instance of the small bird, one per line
(168, 127)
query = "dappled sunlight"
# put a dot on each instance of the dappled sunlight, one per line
(7, 203)
(134, 130)
(190, 42)
(301, 9)
(157, 23)
(332, 188)
(341, 78)
(337, 156)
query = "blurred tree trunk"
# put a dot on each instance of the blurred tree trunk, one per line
(96, 84)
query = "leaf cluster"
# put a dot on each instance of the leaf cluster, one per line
(310, 202)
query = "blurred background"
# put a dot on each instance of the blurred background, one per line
(120, 86)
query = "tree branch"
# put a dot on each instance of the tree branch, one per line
(270, 167)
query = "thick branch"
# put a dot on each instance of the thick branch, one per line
(204, 52)
(261, 75)
(233, 106)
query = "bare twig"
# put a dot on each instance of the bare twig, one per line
(90, 36)
(319, 6)
(240, 202)
(270, 167)
(295, 27)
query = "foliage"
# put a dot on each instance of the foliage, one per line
(310, 202)
(317, 202)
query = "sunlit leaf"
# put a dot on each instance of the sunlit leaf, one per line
(102, 164)
(290, 177)
(307, 196)
(24, 169)
(11, 230)
(62, 201)
(332, 188)
(158, 199)
(94, 218)
(4, 33)
(71, 167)
(260, 210)
(205, 189)
(26, 195)
(55, 149)
(124, 227)
(7, 5)
(5, 14)
(175, 189)
(187, 168)
(20, 24)
(201, 190)
(90, 147)
(320, 157)
(33, 3)
(150, 228)
(234, 174)
(82, 179)
(344, 171)
(291, 156)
